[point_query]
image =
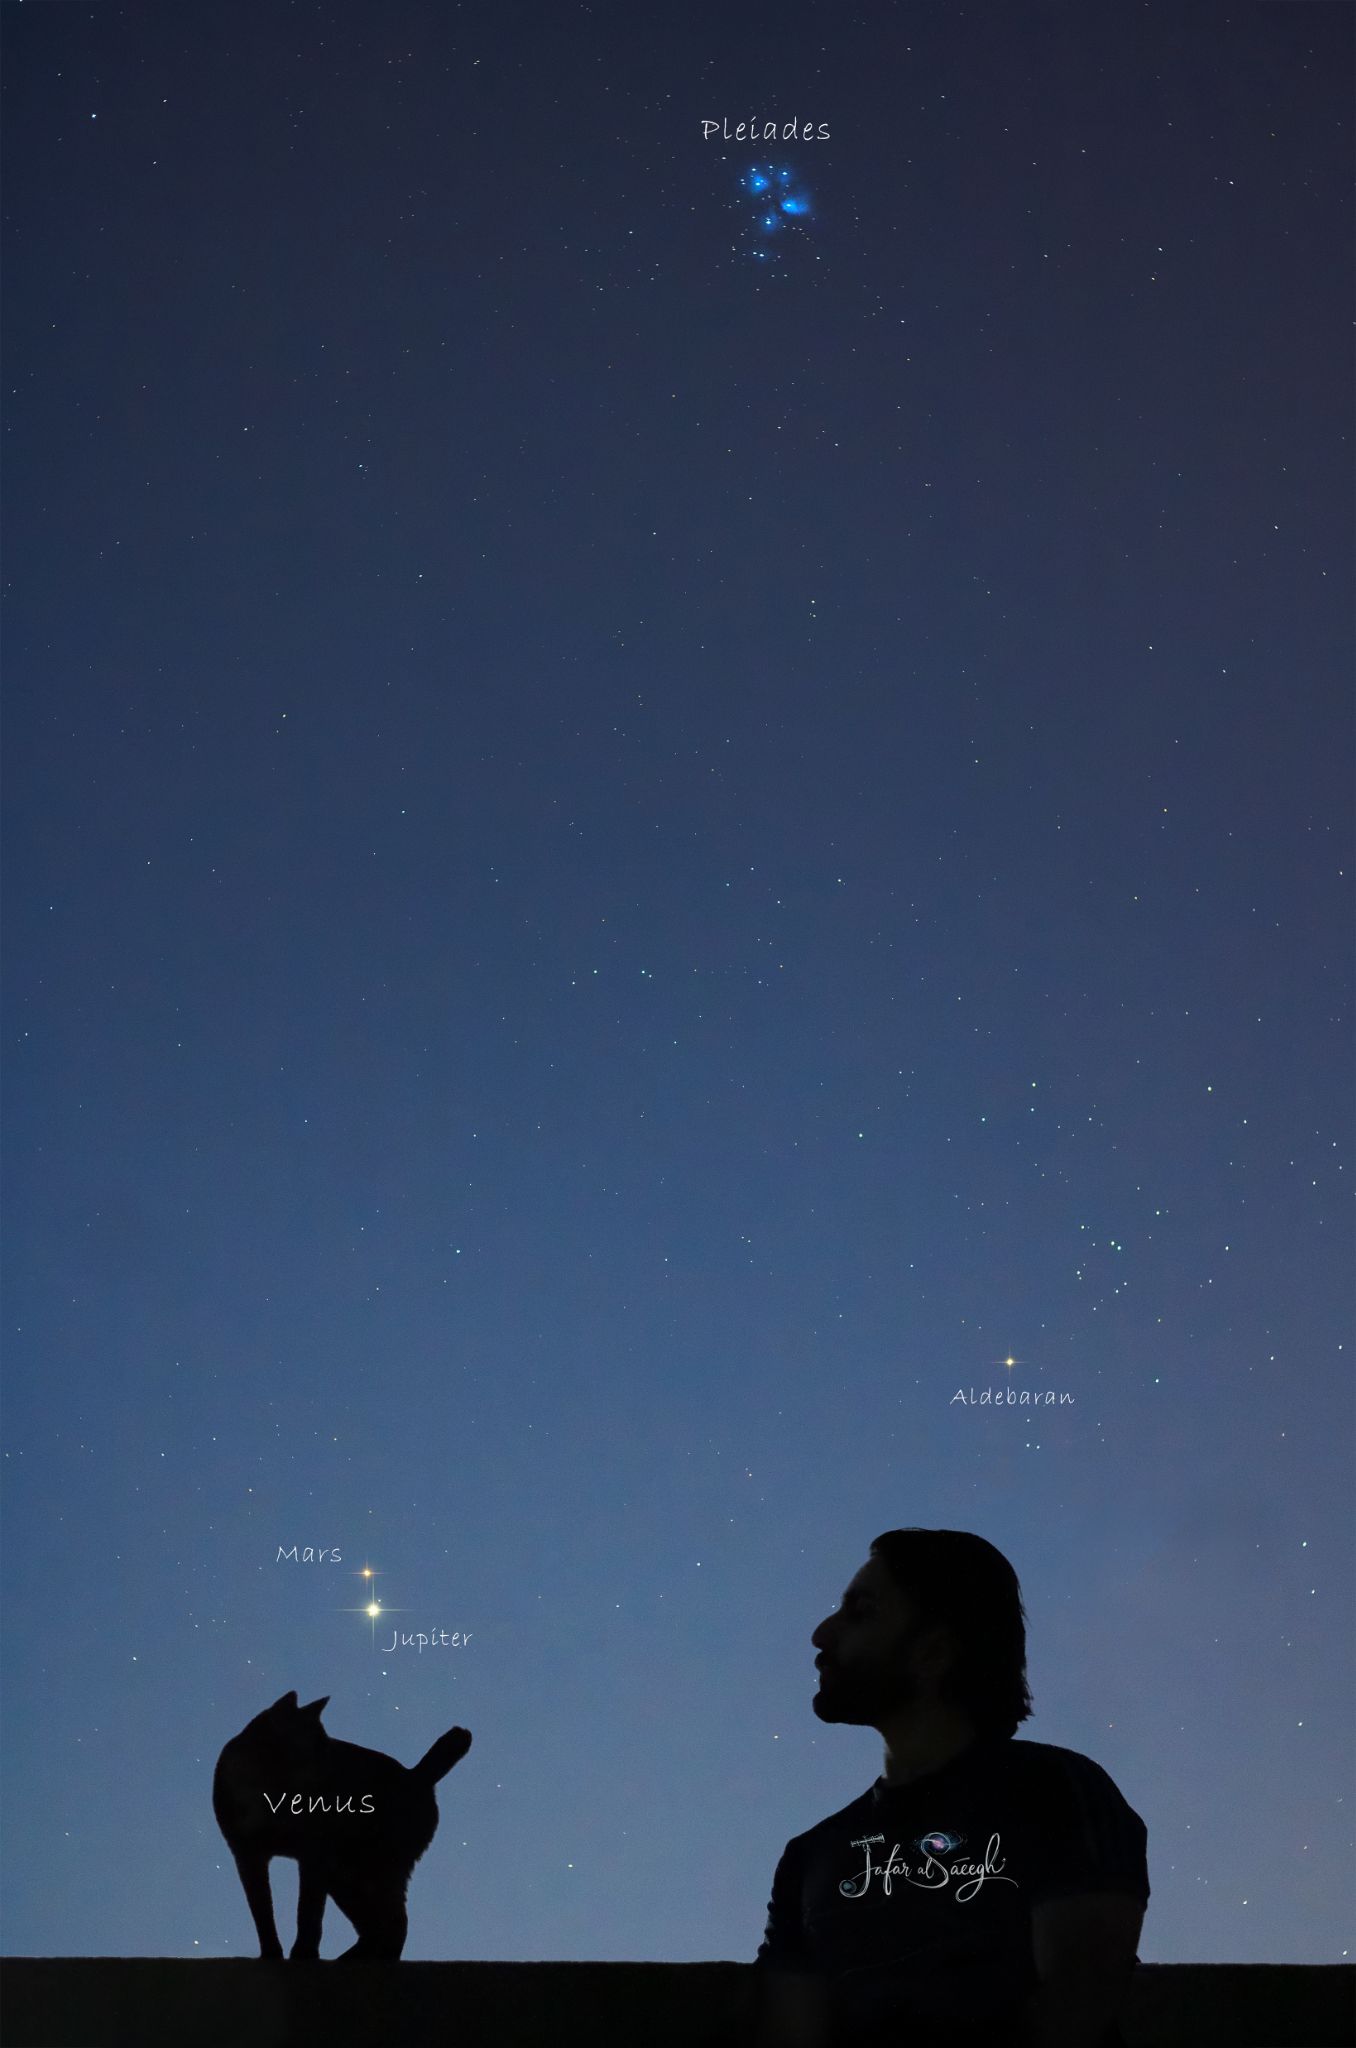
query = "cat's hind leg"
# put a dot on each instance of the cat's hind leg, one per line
(376, 1906)
(310, 1911)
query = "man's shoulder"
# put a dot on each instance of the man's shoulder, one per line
(1032, 1769)
(1041, 1762)
(1029, 1762)
(1045, 1756)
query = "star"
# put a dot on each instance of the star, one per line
(373, 1607)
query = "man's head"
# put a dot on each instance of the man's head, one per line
(934, 1619)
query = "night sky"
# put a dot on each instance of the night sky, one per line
(638, 847)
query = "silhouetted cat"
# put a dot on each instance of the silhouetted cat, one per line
(356, 1821)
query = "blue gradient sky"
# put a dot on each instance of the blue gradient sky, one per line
(625, 866)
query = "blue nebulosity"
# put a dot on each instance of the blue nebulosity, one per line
(777, 204)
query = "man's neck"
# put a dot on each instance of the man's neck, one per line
(918, 1743)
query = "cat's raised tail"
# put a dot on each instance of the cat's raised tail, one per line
(449, 1749)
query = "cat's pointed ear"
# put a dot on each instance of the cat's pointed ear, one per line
(316, 1707)
(289, 1699)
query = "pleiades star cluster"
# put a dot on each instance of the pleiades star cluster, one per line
(775, 212)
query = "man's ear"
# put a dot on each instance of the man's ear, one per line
(935, 1649)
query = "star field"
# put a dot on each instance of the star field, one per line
(668, 800)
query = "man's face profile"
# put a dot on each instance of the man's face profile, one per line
(873, 1660)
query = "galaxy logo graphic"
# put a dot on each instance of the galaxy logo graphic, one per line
(938, 1845)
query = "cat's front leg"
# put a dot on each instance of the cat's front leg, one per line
(253, 1868)
(310, 1913)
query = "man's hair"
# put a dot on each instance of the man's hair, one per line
(961, 1582)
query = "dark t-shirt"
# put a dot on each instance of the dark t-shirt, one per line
(936, 1929)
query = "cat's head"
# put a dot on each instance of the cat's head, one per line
(287, 1706)
(285, 1742)
(286, 1729)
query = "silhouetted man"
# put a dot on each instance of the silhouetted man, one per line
(983, 1892)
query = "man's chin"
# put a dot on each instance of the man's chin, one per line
(833, 1707)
